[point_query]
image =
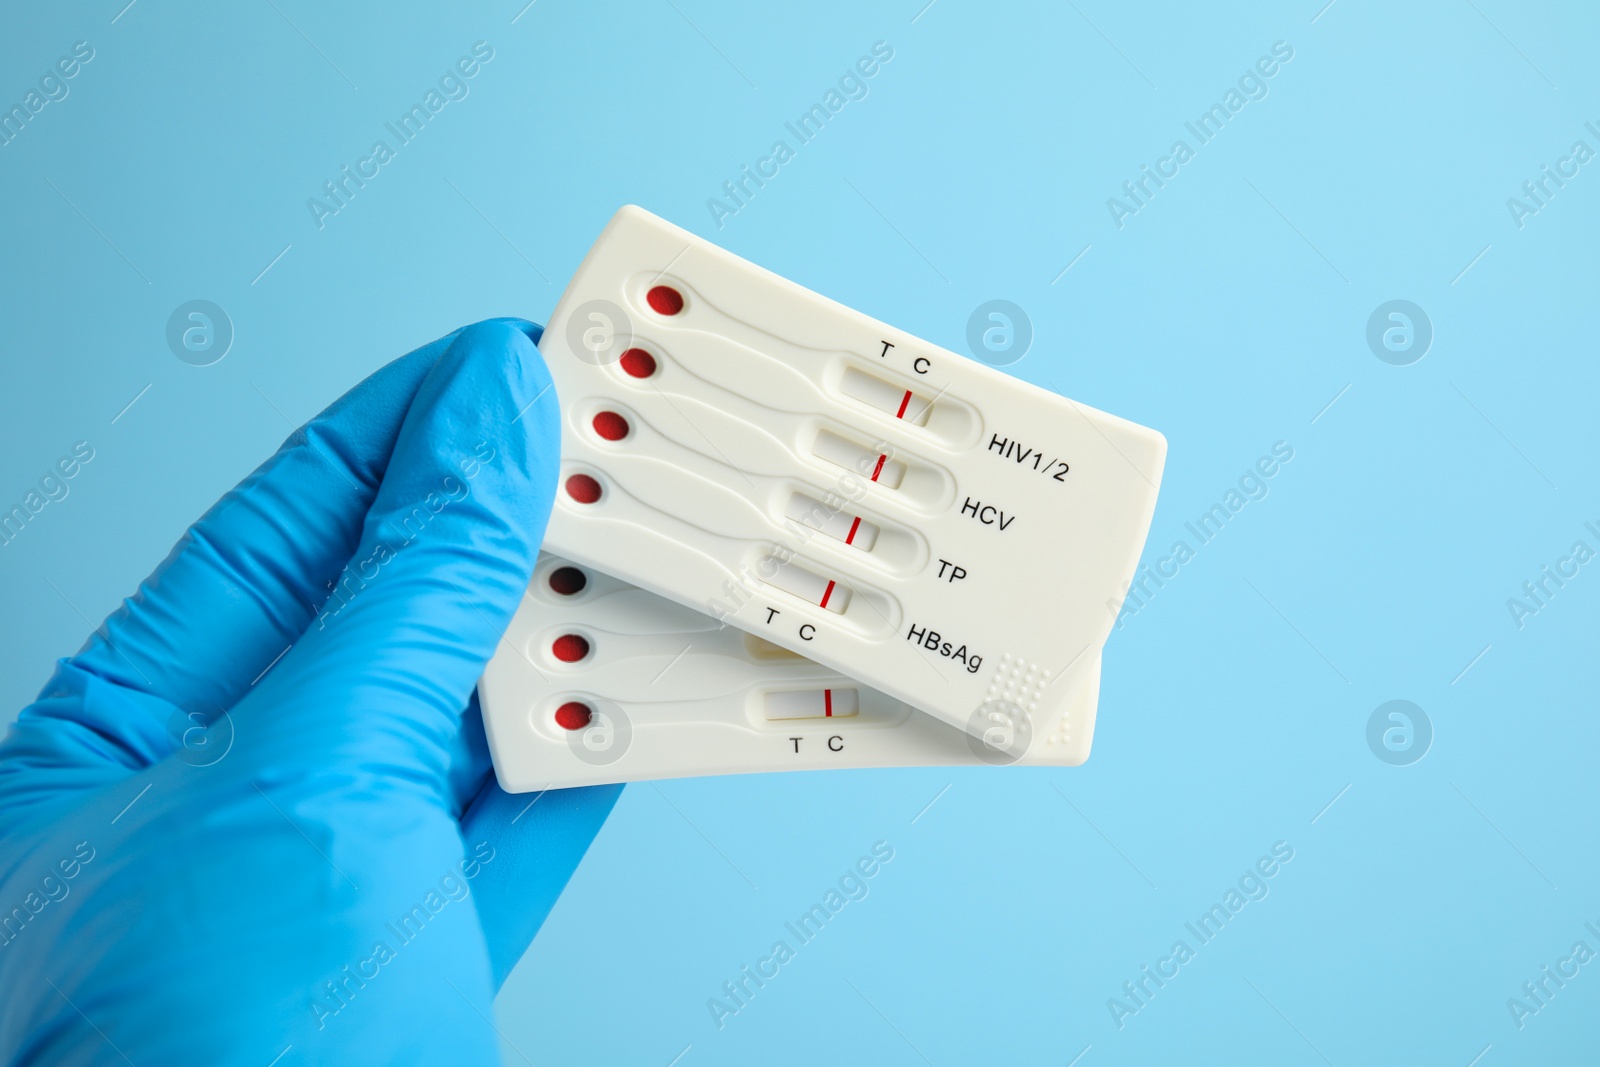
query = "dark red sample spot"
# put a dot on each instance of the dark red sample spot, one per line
(573, 715)
(664, 300)
(638, 363)
(570, 648)
(611, 426)
(567, 581)
(583, 489)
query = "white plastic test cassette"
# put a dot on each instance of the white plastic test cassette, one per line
(599, 681)
(922, 523)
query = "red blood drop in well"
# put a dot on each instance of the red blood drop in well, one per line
(611, 426)
(664, 300)
(573, 715)
(567, 581)
(570, 648)
(638, 363)
(583, 489)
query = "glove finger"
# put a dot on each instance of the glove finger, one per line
(444, 556)
(537, 840)
(235, 592)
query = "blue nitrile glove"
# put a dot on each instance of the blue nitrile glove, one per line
(329, 868)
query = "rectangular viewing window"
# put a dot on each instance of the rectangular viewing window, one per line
(896, 400)
(872, 465)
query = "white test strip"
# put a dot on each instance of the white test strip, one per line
(828, 703)
(808, 585)
(897, 400)
(667, 693)
(871, 463)
(842, 523)
(1010, 519)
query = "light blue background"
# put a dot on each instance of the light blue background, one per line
(1228, 313)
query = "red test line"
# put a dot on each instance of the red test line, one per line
(826, 593)
(905, 400)
(854, 526)
(879, 468)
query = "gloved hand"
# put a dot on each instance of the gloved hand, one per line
(255, 813)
